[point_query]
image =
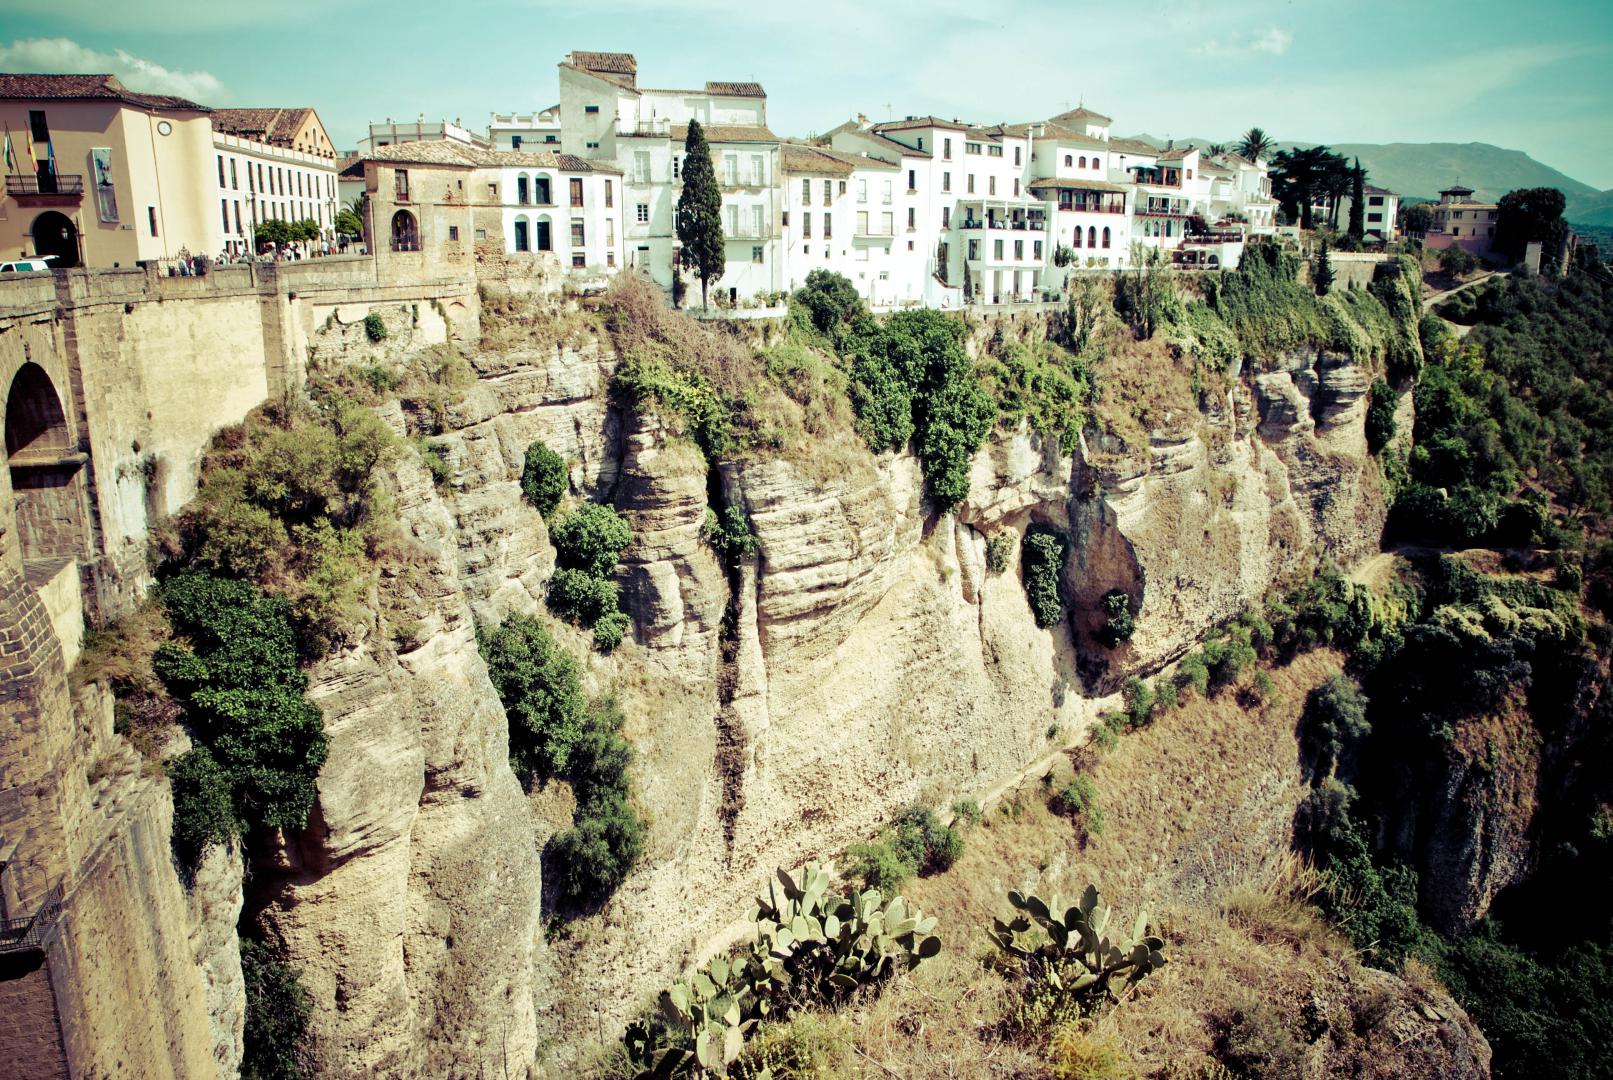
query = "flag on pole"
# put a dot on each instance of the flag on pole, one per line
(11, 158)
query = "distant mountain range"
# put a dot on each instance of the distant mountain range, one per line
(1420, 170)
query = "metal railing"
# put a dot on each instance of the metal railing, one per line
(742, 180)
(45, 184)
(32, 933)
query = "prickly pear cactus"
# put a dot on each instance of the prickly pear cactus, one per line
(1074, 942)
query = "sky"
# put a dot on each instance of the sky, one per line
(1534, 76)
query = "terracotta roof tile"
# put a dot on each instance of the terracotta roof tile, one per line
(728, 133)
(920, 122)
(49, 87)
(736, 89)
(1058, 183)
(613, 63)
(1133, 146)
(1083, 113)
(274, 126)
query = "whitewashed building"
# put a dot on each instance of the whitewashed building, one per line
(537, 131)
(557, 204)
(272, 165)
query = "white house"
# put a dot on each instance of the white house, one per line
(392, 133)
(558, 204)
(606, 116)
(272, 165)
(538, 130)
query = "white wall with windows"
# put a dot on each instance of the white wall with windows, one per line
(574, 217)
(258, 182)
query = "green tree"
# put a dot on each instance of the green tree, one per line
(544, 478)
(699, 213)
(1358, 201)
(349, 224)
(1255, 144)
(1530, 214)
(542, 694)
(277, 1014)
(1415, 219)
(1323, 277)
(272, 231)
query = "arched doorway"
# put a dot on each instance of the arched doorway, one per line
(405, 234)
(545, 240)
(55, 234)
(44, 468)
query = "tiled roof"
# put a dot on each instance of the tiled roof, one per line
(351, 168)
(1456, 189)
(1057, 133)
(457, 154)
(1058, 183)
(990, 134)
(1133, 146)
(1176, 153)
(728, 133)
(1209, 169)
(36, 87)
(612, 63)
(1083, 113)
(920, 122)
(800, 158)
(1374, 189)
(736, 89)
(275, 126)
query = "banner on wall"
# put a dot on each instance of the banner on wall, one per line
(106, 196)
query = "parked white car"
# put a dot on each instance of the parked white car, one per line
(35, 265)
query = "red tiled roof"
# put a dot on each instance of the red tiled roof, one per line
(1084, 113)
(1133, 146)
(736, 89)
(1176, 153)
(459, 155)
(47, 87)
(920, 122)
(614, 63)
(275, 126)
(728, 133)
(1058, 183)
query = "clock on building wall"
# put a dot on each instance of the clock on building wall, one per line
(164, 128)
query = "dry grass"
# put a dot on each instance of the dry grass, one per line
(1142, 387)
(119, 655)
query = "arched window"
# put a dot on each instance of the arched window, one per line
(522, 189)
(55, 234)
(1078, 236)
(1106, 236)
(543, 194)
(522, 239)
(46, 482)
(1067, 161)
(1083, 161)
(1095, 163)
(405, 233)
(545, 238)
(1092, 236)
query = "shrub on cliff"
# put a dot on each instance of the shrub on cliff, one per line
(588, 543)
(1042, 563)
(543, 478)
(1381, 415)
(1118, 621)
(258, 738)
(1334, 721)
(275, 1040)
(915, 843)
(606, 837)
(538, 683)
(374, 327)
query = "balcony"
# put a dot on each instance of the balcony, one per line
(660, 127)
(750, 231)
(46, 188)
(874, 232)
(737, 181)
(1163, 208)
(1009, 226)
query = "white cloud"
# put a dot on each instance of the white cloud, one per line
(1272, 41)
(64, 56)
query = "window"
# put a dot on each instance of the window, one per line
(593, 146)
(1374, 200)
(591, 110)
(642, 213)
(946, 148)
(221, 170)
(731, 212)
(224, 208)
(862, 190)
(756, 255)
(806, 226)
(238, 215)
(481, 234)
(949, 144)
(1095, 163)
(1019, 250)
(862, 223)
(610, 194)
(1016, 187)
(971, 148)
(576, 191)
(610, 232)
(1017, 151)
(545, 242)
(540, 191)
(677, 166)
(828, 190)
(235, 181)
(521, 190)
(1069, 161)
(758, 170)
(887, 193)
(151, 218)
(946, 217)
(610, 258)
(991, 185)
(785, 216)
(1092, 236)
(453, 232)
(828, 230)
(974, 249)
(1190, 174)
(994, 150)
(971, 183)
(400, 181)
(756, 220)
(911, 178)
(1106, 236)
(641, 166)
(522, 241)
(1374, 217)
(578, 261)
(1077, 236)
(997, 249)
(806, 192)
(912, 218)
(515, 142)
(1083, 161)
(578, 239)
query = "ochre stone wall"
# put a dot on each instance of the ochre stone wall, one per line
(30, 1030)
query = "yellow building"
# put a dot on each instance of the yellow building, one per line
(98, 175)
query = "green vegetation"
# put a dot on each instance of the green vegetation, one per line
(259, 743)
(1322, 275)
(698, 218)
(1380, 426)
(275, 231)
(915, 843)
(729, 533)
(277, 1013)
(1458, 262)
(1532, 214)
(1079, 801)
(999, 552)
(1042, 386)
(375, 327)
(1335, 719)
(556, 733)
(1119, 623)
(812, 947)
(544, 478)
(588, 543)
(1042, 556)
(349, 224)
(1067, 964)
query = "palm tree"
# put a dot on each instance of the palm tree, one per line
(1255, 145)
(1216, 149)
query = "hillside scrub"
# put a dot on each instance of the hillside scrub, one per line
(588, 543)
(1042, 556)
(557, 733)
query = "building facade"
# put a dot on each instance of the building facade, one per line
(97, 175)
(273, 165)
(1458, 221)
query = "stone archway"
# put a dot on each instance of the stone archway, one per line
(55, 234)
(46, 471)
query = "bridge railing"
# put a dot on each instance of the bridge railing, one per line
(32, 933)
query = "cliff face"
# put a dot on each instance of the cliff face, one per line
(868, 658)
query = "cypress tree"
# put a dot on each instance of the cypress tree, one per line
(1323, 277)
(1358, 200)
(699, 215)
